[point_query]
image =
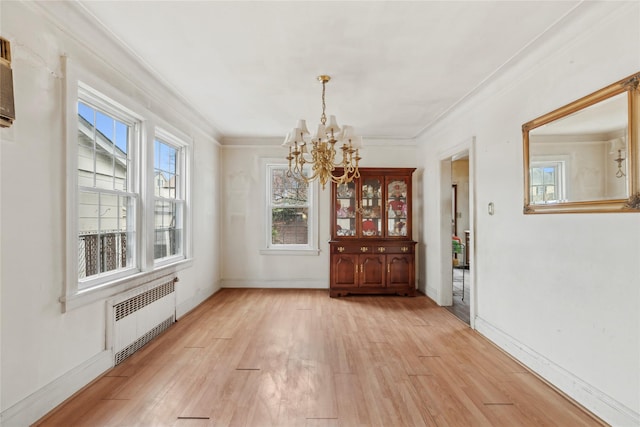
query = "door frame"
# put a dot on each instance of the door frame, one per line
(446, 158)
(454, 205)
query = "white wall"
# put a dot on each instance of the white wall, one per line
(46, 355)
(243, 233)
(559, 292)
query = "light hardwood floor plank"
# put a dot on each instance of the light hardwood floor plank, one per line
(259, 357)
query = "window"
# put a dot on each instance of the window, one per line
(127, 192)
(291, 212)
(547, 182)
(169, 204)
(106, 197)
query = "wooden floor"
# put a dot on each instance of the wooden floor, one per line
(299, 358)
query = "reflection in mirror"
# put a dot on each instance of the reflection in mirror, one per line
(580, 158)
(573, 159)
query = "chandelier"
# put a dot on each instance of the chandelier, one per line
(319, 152)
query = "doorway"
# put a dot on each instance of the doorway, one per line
(460, 237)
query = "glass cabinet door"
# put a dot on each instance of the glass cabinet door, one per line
(346, 209)
(371, 206)
(396, 207)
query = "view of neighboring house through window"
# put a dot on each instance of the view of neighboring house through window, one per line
(125, 193)
(289, 207)
(106, 197)
(169, 199)
(547, 182)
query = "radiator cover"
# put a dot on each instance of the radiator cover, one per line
(140, 316)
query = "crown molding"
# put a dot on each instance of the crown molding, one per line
(519, 60)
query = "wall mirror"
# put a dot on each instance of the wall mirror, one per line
(583, 157)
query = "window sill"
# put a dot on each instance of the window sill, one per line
(289, 252)
(109, 289)
(166, 261)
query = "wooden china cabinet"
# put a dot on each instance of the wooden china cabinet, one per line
(371, 247)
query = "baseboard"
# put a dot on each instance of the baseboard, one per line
(35, 406)
(189, 304)
(277, 284)
(594, 400)
(432, 293)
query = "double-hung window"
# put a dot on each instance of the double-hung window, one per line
(291, 208)
(127, 192)
(107, 194)
(169, 200)
(547, 182)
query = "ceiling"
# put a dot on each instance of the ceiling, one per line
(250, 68)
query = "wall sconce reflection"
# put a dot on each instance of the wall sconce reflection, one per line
(620, 159)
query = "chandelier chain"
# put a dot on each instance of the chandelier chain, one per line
(323, 117)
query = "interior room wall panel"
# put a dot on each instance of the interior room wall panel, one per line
(560, 292)
(244, 218)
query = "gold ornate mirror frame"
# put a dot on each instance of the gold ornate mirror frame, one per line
(584, 157)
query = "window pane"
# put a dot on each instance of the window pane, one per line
(108, 213)
(289, 226)
(108, 232)
(536, 195)
(102, 150)
(122, 139)
(550, 193)
(168, 228)
(286, 190)
(168, 214)
(120, 173)
(86, 112)
(165, 166)
(86, 149)
(169, 158)
(549, 175)
(106, 226)
(105, 125)
(536, 176)
(87, 212)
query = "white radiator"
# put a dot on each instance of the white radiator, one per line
(139, 316)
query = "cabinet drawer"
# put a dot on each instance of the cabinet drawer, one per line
(373, 248)
(395, 249)
(351, 249)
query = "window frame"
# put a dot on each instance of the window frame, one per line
(560, 167)
(107, 106)
(311, 248)
(78, 78)
(182, 170)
